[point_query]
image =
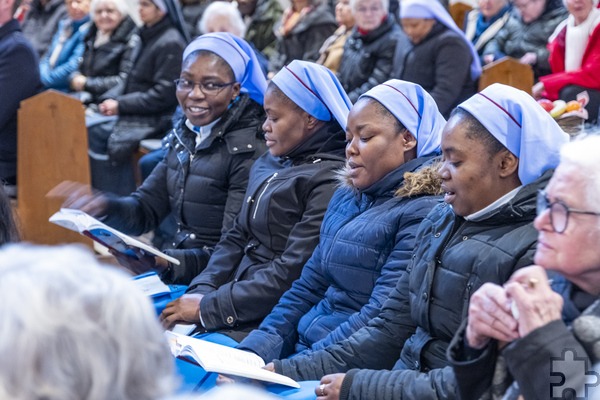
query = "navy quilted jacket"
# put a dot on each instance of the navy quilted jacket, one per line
(365, 245)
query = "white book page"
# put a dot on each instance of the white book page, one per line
(225, 360)
(151, 285)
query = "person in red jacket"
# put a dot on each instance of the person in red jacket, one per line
(575, 57)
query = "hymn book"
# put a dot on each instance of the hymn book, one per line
(224, 360)
(79, 221)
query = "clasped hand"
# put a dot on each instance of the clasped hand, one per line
(492, 314)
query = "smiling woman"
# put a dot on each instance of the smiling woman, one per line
(204, 174)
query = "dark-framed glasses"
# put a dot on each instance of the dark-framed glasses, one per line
(559, 212)
(209, 88)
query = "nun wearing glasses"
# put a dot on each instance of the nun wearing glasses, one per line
(278, 226)
(436, 54)
(499, 148)
(203, 176)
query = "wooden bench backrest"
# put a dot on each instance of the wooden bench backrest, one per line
(458, 11)
(508, 71)
(52, 147)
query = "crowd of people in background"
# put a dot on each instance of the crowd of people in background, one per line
(340, 198)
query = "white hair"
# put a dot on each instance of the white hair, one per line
(582, 154)
(226, 9)
(120, 5)
(72, 329)
(384, 3)
(594, 3)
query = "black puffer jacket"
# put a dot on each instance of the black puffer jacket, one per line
(109, 64)
(367, 60)
(272, 237)
(452, 259)
(441, 64)
(305, 39)
(203, 186)
(150, 89)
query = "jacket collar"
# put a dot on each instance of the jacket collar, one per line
(148, 33)
(329, 139)
(9, 27)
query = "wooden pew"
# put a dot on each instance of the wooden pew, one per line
(508, 71)
(458, 11)
(52, 147)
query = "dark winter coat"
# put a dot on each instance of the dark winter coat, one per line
(57, 76)
(260, 31)
(202, 186)
(441, 64)
(19, 79)
(41, 23)
(365, 245)
(517, 38)
(453, 258)
(535, 360)
(148, 99)
(368, 59)
(305, 39)
(272, 237)
(109, 64)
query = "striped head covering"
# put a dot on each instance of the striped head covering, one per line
(239, 55)
(315, 89)
(415, 109)
(521, 125)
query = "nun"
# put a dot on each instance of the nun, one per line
(499, 149)
(208, 154)
(142, 107)
(436, 54)
(369, 230)
(277, 228)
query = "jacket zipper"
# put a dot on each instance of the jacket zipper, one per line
(261, 194)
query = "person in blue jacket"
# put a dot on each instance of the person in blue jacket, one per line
(65, 51)
(368, 233)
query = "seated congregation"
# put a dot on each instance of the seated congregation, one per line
(379, 232)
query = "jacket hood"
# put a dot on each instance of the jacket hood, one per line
(417, 177)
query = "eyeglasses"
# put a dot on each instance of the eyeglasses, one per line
(209, 89)
(559, 212)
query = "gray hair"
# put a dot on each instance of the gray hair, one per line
(226, 9)
(120, 5)
(384, 3)
(582, 154)
(73, 329)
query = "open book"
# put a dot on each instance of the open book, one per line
(79, 221)
(224, 360)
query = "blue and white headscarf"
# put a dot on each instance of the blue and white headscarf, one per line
(521, 125)
(433, 9)
(315, 89)
(415, 109)
(239, 55)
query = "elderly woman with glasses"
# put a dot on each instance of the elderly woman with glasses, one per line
(203, 176)
(521, 320)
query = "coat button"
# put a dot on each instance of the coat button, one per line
(249, 146)
(230, 320)
(192, 236)
(465, 237)
(235, 149)
(437, 235)
(425, 296)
